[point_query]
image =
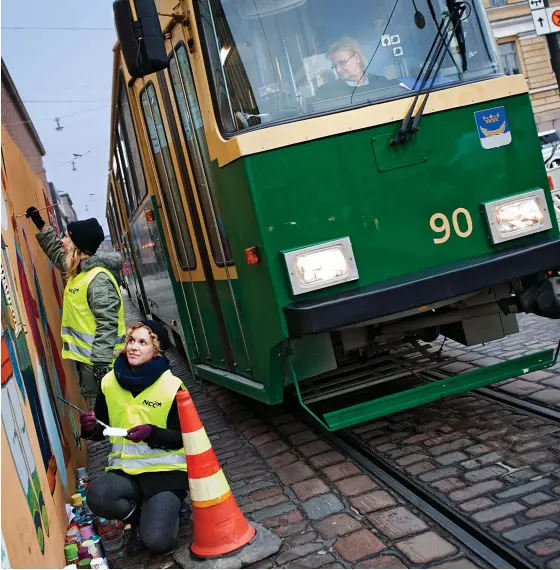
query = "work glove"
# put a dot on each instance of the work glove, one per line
(99, 370)
(35, 216)
(139, 433)
(87, 421)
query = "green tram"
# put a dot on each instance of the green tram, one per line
(308, 192)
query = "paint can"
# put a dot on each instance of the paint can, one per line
(76, 500)
(98, 564)
(91, 548)
(84, 563)
(86, 532)
(82, 472)
(71, 553)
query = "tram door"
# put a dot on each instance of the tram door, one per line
(213, 243)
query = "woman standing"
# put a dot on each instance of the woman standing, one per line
(146, 480)
(92, 312)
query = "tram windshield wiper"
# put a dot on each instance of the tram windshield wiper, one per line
(446, 31)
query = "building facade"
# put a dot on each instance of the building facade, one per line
(67, 208)
(536, 57)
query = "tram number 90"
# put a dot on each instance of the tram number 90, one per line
(462, 224)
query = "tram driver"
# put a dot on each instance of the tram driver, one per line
(350, 64)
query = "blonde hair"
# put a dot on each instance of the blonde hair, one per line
(347, 43)
(135, 326)
(74, 258)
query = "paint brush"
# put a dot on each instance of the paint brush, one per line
(38, 210)
(80, 410)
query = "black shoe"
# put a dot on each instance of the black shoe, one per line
(134, 544)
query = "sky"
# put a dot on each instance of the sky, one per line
(66, 74)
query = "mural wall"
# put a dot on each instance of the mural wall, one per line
(40, 439)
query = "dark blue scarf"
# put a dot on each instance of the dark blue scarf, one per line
(136, 380)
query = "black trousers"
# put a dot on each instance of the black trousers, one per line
(113, 495)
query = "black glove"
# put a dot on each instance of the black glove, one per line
(99, 370)
(35, 216)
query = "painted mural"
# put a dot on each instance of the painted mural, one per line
(41, 434)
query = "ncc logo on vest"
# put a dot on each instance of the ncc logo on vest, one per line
(74, 290)
(152, 404)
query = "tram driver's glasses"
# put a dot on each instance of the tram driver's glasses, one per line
(277, 60)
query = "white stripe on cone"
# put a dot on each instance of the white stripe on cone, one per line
(196, 442)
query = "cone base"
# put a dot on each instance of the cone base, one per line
(263, 545)
(220, 529)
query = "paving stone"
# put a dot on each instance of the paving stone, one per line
(358, 545)
(314, 448)
(338, 525)
(410, 459)
(448, 485)
(273, 448)
(523, 489)
(460, 563)
(298, 552)
(326, 459)
(316, 560)
(545, 548)
(481, 460)
(295, 473)
(419, 468)
(520, 388)
(271, 512)
(485, 473)
(554, 563)
(310, 488)
(281, 460)
(451, 446)
(320, 507)
(547, 396)
(251, 507)
(263, 438)
(340, 471)
(450, 458)
(535, 499)
(476, 504)
(478, 449)
(545, 510)
(426, 548)
(530, 531)
(403, 451)
(397, 523)
(303, 437)
(521, 475)
(442, 473)
(504, 524)
(499, 512)
(533, 444)
(383, 561)
(299, 539)
(292, 427)
(290, 529)
(372, 501)
(283, 519)
(356, 485)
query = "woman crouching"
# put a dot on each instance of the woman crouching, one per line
(145, 483)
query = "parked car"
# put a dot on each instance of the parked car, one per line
(550, 147)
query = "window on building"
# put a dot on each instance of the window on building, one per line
(167, 179)
(510, 61)
(496, 3)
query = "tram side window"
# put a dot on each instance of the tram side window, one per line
(193, 129)
(167, 179)
(130, 145)
(122, 186)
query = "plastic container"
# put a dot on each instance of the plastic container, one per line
(70, 567)
(76, 500)
(84, 563)
(113, 540)
(98, 564)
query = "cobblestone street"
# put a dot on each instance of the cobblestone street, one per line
(500, 468)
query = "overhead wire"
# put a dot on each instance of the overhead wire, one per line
(59, 28)
(64, 116)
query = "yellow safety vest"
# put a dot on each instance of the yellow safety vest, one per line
(126, 411)
(78, 321)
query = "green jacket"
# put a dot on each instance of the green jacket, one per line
(102, 297)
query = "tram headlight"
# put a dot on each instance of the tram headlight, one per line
(517, 216)
(321, 265)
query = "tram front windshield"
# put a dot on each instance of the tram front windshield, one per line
(281, 60)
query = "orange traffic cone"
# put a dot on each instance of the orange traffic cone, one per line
(219, 525)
